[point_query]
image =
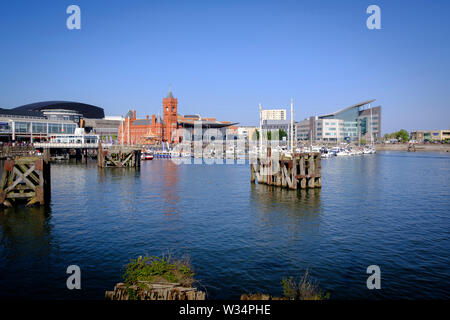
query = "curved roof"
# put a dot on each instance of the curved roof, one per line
(35, 109)
(344, 109)
(207, 124)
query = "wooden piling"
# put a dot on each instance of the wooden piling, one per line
(25, 178)
(301, 170)
(118, 157)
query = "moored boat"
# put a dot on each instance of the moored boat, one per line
(146, 155)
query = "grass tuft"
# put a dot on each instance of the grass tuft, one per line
(305, 289)
(153, 269)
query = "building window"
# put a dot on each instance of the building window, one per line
(22, 127)
(69, 128)
(54, 128)
(39, 127)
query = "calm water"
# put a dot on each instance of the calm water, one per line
(389, 209)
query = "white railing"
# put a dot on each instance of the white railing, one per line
(68, 145)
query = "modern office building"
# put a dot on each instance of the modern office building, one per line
(276, 125)
(352, 123)
(274, 114)
(247, 132)
(107, 128)
(37, 121)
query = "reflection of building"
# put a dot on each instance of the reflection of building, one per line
(39, 120)
(274, 114)
(350, 124)
(430, 135)
(172, 128)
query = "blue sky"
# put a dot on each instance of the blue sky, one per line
(222, 58)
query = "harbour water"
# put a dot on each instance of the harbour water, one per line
(390, 209)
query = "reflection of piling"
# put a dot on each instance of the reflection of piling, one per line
(411, 147)
(118, 157)
(25, 178)
(302, 170)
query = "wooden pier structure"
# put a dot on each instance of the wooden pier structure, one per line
(154, 291)
(25, 179)
(301, 170)
(118, 157)
(15, 151)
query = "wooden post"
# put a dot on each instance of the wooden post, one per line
(119, 157)
(25, 178)
(303, 169)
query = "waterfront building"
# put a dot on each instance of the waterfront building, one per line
(172, 128)
(348, 124)
(107, 128)
(36, 121)
(304, 129)
(247, 132)
(274, 114)
(430, 135)
(195, 127)
(276, 125)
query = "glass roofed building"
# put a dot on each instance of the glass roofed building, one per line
(359, 121)
(36, 121)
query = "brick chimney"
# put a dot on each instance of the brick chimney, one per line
(134, 114)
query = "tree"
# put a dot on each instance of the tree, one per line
(281, 134)
(402, 135)
(256, 135)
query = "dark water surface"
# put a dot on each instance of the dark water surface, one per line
(390, 209)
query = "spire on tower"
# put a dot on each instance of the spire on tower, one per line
(170, 95)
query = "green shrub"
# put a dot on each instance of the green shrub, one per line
(304, 289)
(158, 269)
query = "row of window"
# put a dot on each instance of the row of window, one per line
(41, 128)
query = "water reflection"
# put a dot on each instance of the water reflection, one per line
(303, 200)
(298, 211)
(105, 173)
(169, 188)
(25, 233)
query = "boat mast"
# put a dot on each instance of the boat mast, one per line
(260, 130)
(371, 133)
(292, 125)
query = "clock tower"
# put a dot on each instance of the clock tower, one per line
(170, 116)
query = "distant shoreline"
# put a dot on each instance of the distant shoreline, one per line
(419, 147)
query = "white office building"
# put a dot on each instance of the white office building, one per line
(274, 114)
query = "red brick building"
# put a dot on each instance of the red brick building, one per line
(150, 131)
(157, 130)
